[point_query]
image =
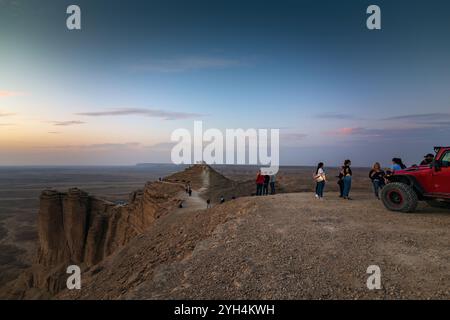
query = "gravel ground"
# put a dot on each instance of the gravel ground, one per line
(288, 246)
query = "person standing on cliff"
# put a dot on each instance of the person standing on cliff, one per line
(272, 183)
(259, 183)
(266, 185)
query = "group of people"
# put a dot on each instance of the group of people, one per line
(344, 180)
(377, 175)
(221, 200)
(263, 181)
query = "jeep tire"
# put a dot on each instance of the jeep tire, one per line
(397, 196)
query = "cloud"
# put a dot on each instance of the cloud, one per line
(163, 146)
(294, 136)
(4, 114)
(357, 131)
(336, 116)
(184, 64)
(6, 94)
(166, 115)
(67, 123)
(112, 145)
(98, 146)
(54, 132)
(421, 117)
(424, 120)
(6, 124)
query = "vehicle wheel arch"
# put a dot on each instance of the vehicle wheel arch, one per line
(411, 181)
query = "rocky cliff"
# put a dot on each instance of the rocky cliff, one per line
(76, 228)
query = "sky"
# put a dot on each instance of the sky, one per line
(113, 92)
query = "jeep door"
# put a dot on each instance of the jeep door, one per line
(441, 178)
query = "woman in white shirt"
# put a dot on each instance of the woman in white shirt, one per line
(320, 179)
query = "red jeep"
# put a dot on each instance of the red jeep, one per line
(430, 183)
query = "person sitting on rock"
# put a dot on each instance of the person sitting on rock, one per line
(222, 199)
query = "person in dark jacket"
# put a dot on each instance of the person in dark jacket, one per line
(377, 176)
(428, 159)
(266, 185)
(340, 182)
(347, 178)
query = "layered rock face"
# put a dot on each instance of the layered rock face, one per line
(76, 228)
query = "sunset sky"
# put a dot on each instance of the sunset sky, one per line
(112, 93)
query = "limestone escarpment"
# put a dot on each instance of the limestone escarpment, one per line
(76, 228)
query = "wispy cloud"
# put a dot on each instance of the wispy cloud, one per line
(54, 132)
(6, 93)
(98, 146)
(67, 123)
(336, 116)
(184, 64)
(408, 133)
(357, 131)
(163, 146)
(112, 145)
(424, 120)
(5, 114)
(166, 115)
(293, 136)
(6, 124)
(421, 117)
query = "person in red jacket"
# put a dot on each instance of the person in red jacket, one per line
(259, 183)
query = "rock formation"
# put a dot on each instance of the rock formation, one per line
(76, 228)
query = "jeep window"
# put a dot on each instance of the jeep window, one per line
(446, 159)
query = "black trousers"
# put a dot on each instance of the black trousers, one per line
(341, 187)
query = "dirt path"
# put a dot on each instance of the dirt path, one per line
(195, 201)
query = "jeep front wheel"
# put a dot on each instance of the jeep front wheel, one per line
(398, 196)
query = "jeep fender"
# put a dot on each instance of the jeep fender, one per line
(411, 181)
